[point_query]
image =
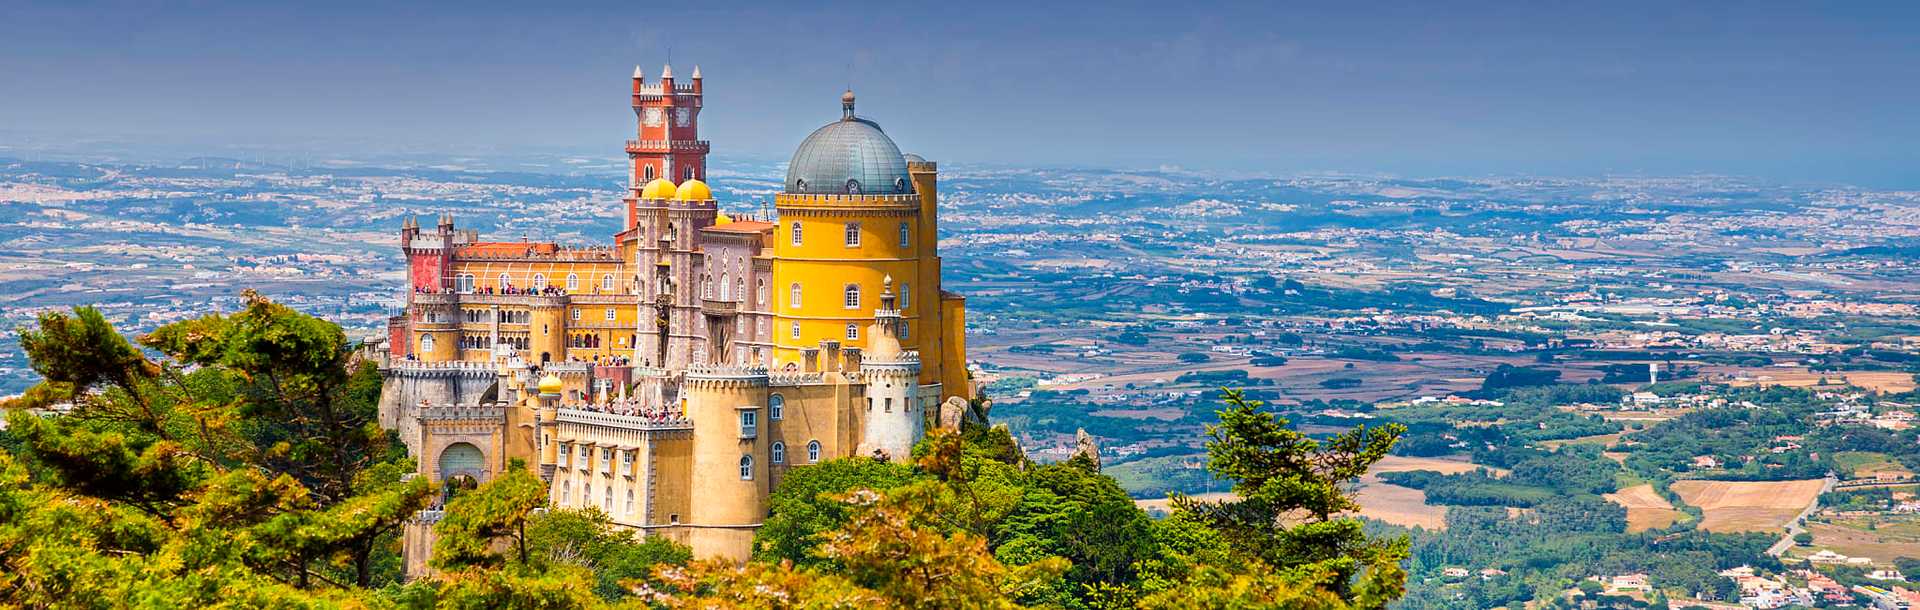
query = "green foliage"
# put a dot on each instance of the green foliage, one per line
(801, 509)
(1510, 376)
(497, 510)
(1280, 474)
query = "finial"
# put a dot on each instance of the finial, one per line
(667, 72)
(696, 72)
(638, 74)
(846, 104)
(887, 281)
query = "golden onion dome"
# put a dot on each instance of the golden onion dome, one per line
(660, 188)
(693, 190)
(551, 384)
(722, 219)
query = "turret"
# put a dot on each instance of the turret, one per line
(894, 420)
(729, 461)
(696, 78)
(549, 397)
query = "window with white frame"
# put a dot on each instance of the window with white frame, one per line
(746, 468)
(576, 315)
(606, 283)
(426, 342)
(905, 333)
(777, 454)
(793, 296)
(610, 314)
(796, 330)
(726, 288)
(906, 295)
(776, 407)
(749, 424)
(463, 283)
(795, 230)
(629, 501)
(573, 282)
(813, 452)
(504, 284)
(906, 235)
(851, 298)
(539, 281)
(853, 331)
(853, 235)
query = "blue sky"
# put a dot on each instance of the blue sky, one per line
(1826, 92)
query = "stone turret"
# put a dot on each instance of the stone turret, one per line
(729, 457)
(894, 419)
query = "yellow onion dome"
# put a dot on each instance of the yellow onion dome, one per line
(693, 190)
(722, 219)
(551, 384)
(660, 188)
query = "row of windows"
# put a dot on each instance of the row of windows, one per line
(849, 296)
(853, 331)
(465, 282)
(851, 234)
(609, 315)
(778, 453)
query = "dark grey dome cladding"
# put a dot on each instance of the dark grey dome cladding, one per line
(848, 157)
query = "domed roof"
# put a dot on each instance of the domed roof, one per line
(722, 219)
(693, 190)
(660, 188)
(551, 384)
(850, 156)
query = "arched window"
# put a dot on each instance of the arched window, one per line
(573, 282)
(793, 298)
(629, 501)
(539, 281)
(740, 288)
(853, 235)
(586, 495)
(796, 330)
(607, 503)
(426, 342)
(746, 468)
(906, 295)
(778, 453)
(650, 174)
(906, 235)
(852, 294)
(853, 331)
(726, 288)
(760, 290)
(504, 284)
(606, 283)
(776, 407)
(796, 232)
(813, 452)
(905, 334)
(566, 491)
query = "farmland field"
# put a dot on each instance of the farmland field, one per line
(1645, 509)
(1748, 506)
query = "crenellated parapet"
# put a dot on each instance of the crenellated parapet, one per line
(454, 368)
(726, 376)
(795, 378)
(664, 421)
(495, 412)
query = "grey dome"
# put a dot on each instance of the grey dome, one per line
(850, 156)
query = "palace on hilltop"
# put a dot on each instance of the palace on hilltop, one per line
(702, 354)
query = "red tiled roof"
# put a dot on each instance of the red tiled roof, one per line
(743, 226)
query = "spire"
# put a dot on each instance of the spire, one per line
(696, 72)
(846, 105)
(638, 74)
(667, 72)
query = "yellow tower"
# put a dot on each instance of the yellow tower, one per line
(547, 331)
(849, 218)
(729, 461)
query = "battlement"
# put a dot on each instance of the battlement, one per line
(802, 199)
(722, 375)
(661, 146)
(922, 166)
(489, 412)
(656, 90)
(415, 368)
(793, 379)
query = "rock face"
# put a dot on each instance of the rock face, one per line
(1085, 446)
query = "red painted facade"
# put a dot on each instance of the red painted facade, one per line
(667, 140)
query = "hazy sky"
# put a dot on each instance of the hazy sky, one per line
(1818, 91)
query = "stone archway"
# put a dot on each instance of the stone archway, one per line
(463, 460)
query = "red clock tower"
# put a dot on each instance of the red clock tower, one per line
(668, 143)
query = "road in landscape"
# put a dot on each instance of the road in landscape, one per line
(1793, 525)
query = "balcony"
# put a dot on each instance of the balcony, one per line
(713, 307)
(635, 147)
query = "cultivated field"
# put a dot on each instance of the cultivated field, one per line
(1645, 509)
(1748, 506)
(1877, 381)
(1883, 544)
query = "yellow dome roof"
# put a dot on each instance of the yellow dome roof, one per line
(551, 384)
(660, 188)
(722, 219)
(693, 190)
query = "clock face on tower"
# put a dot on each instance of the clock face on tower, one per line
(682, 117)
(653, 117)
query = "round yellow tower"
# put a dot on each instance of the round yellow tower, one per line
(849, 218)
(729, 459)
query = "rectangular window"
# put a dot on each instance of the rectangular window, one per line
(749, 424)
(853, 235)
(853, 332)
(796, 330)
(609, 314)
(576, 315)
